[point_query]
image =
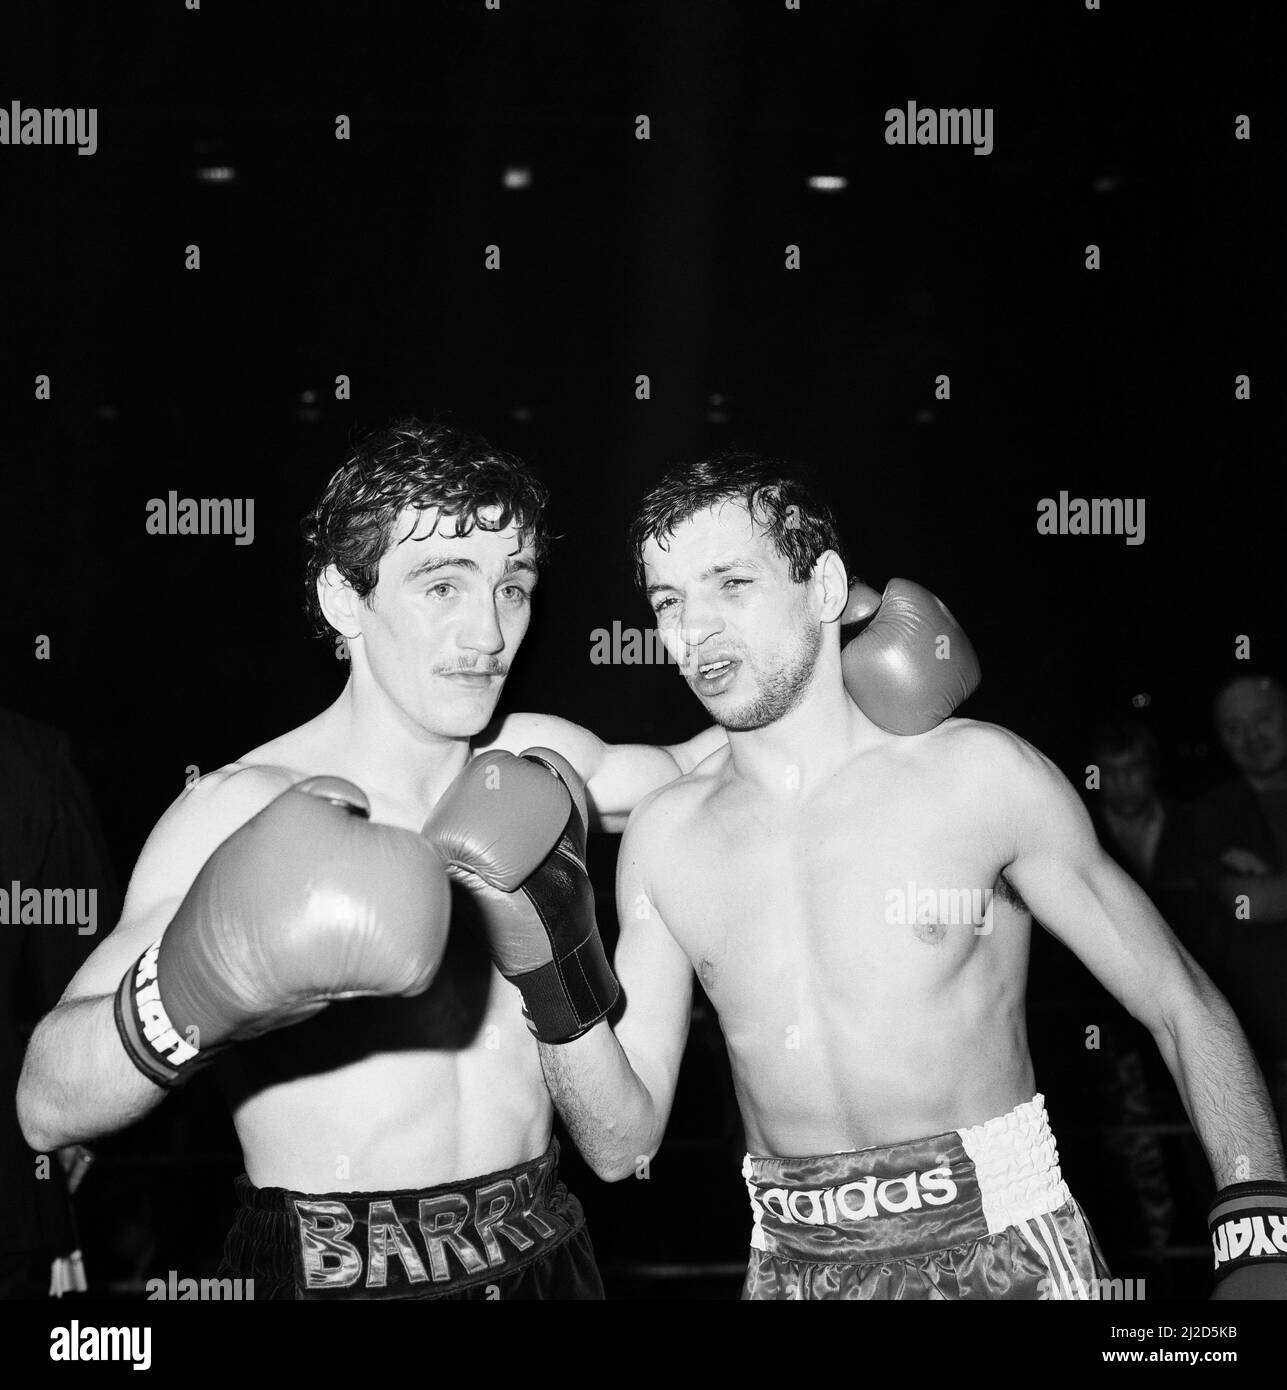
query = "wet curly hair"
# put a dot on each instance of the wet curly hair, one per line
(799, 524)
(412, 464)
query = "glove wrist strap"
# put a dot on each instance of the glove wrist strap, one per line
(150, 1040)
(569, 995)
(1248, 1225)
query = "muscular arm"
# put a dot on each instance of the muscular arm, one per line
(77, 1081)
(1095, 909)
(617, 776)
(614, 1088)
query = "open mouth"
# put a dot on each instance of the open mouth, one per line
(714, 677)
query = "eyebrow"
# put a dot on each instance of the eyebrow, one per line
(513, 565)
(722, 567)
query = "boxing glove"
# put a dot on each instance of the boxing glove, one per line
(498, 820)
(305, 903)
(1248, 1225)
(912, 665)
(543, 936)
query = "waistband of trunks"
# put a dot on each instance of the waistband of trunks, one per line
(898, 1200)
(415, 1242)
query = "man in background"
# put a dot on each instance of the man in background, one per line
(1241, 833)
(50, 842)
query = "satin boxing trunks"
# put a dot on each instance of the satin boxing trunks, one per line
(515, 1234)
(975, 1213)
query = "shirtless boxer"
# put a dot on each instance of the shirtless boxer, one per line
(398, 1144)
(811, 872)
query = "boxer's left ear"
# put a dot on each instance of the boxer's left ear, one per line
(831, 585)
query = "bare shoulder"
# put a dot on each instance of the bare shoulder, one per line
(198, 821)
(671, 810)
(195, 824)
(1015, 787)
(513, 733)
(986, 750)
(225, 799)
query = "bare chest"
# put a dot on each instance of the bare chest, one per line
(848, 897)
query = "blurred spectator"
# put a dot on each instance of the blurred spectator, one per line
(1149, 836)
(49, 839)
(1241, 834)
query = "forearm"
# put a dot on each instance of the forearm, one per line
(1221, 1086)
(608, 1110)
(77, 1081)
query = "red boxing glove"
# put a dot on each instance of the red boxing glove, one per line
(498, 819)
(306, 903)
(1248, 1224)
(543, 937)
(912, 665)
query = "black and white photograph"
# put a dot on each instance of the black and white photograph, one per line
(643, 661)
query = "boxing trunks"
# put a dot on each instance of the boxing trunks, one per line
(515, 1234)
(975, 1213)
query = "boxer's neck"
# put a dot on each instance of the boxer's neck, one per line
(806, 746)
(384, 748)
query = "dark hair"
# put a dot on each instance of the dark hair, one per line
(799, 525)
(1118, 736)
(411, 464)
(1262, 680)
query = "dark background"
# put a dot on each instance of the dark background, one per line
(365, 258)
